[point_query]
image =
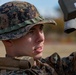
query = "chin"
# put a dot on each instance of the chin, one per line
(38, 56)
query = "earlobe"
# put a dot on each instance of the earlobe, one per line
(8, 43)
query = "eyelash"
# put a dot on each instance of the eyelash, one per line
(41, 27)
(31, 31)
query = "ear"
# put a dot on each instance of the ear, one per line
(7, 42)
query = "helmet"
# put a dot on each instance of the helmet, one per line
(16, 19)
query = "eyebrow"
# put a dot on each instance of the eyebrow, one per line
(32, 28)
(41, 25)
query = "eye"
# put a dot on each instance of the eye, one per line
(41, 27)
(31, 31)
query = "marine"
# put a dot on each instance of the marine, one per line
(21, 32)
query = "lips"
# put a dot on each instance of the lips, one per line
(38, 49)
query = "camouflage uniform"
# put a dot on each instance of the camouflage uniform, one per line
(52, 65)
(16, 19)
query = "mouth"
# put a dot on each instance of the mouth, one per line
(38, 49)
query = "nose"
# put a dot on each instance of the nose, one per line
(40, 37)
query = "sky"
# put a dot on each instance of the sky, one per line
(45, 7)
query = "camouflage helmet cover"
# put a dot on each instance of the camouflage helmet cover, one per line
(16, 19)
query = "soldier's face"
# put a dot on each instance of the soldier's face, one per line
(32, 43)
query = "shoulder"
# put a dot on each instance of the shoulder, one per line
(18, 72)
(12, 72)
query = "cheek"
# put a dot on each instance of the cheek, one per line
(28, 43)
(28, 48)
